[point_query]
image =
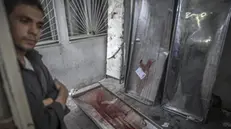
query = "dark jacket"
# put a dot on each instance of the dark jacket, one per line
(39, 85)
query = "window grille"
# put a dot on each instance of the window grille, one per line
(87, 17)
(49, 32)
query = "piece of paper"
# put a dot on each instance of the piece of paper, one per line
(165, 125)
(140, 73)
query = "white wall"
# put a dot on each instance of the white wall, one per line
(77, 64)
(115, 38)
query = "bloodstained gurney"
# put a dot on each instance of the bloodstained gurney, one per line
(108, 111)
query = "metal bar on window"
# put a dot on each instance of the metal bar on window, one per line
(90, 15)
(79, 30)
(49, 21)
(55, 20)
(79, 17)
(47, 27)
(83, 36)
(104, 31)
(48, 13)
(48, 32)
(46, 42)
(102, 24)
(47, 5)
(80, 6)
(50, 16)
(93, 12)
(69, 18)
(42, 1)
(104, 28)
(78, 27)
(50, 26)
(95, 15)
(79, 9)
(87, 16)
(48, 37)
(99, 6)
(103, 13)
(102, 19)
(79, 21)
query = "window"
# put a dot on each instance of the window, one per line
(49, 32)
(86, 17)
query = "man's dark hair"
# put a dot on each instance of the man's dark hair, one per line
(11, 4)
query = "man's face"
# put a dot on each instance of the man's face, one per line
(26, 23)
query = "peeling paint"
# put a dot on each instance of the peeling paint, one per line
(115, 42)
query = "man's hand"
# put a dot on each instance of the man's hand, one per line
(48, 101)
(63, 92)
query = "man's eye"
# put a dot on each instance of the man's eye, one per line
(23, 20)
(39, 26)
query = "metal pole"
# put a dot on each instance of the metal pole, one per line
(133, 21)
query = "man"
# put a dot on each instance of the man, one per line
(46, 97)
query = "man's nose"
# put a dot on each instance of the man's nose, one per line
(33, 29)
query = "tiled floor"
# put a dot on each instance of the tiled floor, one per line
(76, 119)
